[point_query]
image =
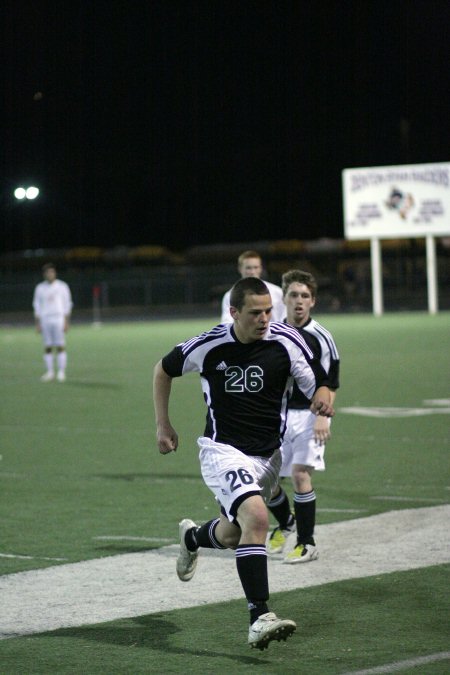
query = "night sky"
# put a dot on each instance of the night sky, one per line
(196, 122)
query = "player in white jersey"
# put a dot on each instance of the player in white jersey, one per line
(250, 265)
(247, 368)
(303, 445)
(52, 305)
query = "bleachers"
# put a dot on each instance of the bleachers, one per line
(149, 277)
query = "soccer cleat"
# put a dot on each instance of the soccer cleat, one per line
(61, 376)
(277, 540)
(269, 627)
(48, 376)
(187, 560)
(302, 553)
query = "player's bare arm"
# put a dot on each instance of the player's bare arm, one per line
(165, 433)
(322, 402)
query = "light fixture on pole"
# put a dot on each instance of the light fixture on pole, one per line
(26, 193)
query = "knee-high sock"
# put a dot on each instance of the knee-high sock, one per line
(251, 563)
(48, 360)
(203, 536)
(61, 360)
(280, 508)
(305, 515)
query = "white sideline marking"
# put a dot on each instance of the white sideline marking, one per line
(437, 401)
(342, 510)
(30, 557)
(401, 665)
(127, 538)
(393, 498)
(393, 412)
(114, 587)
(74, 430)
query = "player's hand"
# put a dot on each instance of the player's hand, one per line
(321, 430)
(167, 439)
(322, 408)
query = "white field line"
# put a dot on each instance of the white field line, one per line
(401, 665)
(72, 430)
(29, 557)
(341, 510)
(393, 498)
(437, 401)
(384, 412)
(125, 537)
(104, 589)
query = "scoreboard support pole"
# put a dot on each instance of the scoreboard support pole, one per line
(377, 283)
(377, 276)
(432, 275)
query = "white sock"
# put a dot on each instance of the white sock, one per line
(62, 361)
(48, 359)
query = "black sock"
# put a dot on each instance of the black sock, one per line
(280, 508)
(256, 609)
(251, 563)
(305, 515)
(203, 536)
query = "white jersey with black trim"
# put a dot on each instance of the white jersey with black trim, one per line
(322, 344)
(246, 386)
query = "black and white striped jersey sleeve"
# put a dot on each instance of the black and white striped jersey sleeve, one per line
(329, 355)
(306, 369)
(188, 356)
(323, 347)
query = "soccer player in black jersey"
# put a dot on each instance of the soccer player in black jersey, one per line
(246, 368)
(303, 445)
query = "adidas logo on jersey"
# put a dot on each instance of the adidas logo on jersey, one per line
(222, 366)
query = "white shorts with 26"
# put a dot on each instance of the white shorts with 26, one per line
(299, 446)
(230, 474)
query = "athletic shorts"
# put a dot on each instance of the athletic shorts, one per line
(299, 446)
(230, 474)
(53, 332)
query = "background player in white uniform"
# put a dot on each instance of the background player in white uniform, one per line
(246, 371)
(250, 265)
(303, 445)
(52, 304)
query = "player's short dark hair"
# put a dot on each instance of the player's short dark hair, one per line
(48, 266)
(244, 287)
(300, 277)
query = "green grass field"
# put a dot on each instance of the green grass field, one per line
(79, 466)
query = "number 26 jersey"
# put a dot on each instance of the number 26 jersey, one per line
(246, 386)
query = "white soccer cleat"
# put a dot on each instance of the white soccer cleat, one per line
(48, 376)
(302, 553)
(61, 377)
(269, 627)
(187, 560)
